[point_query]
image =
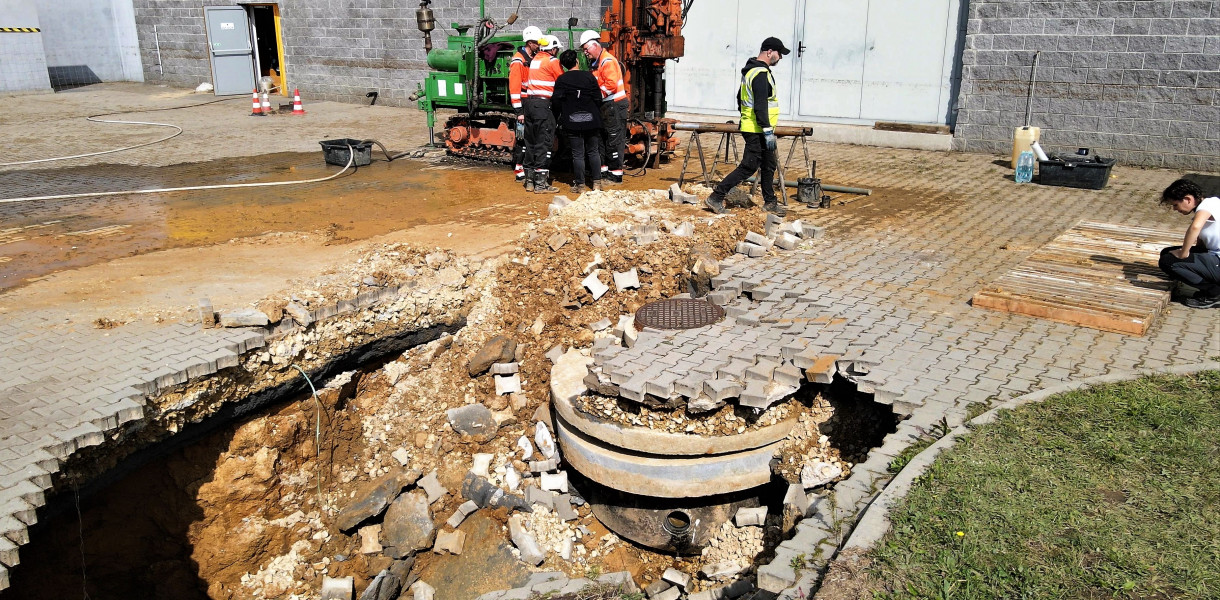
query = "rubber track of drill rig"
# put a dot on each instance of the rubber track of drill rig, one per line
(479, 152)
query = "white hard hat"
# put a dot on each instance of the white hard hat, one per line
(531, 34)
(553, 43)
(589, 36)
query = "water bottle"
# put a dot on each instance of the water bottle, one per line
(1025, 167)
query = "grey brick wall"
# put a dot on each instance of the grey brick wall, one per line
(1136, 80)
(338, 49)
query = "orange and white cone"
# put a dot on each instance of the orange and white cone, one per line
(266, 104)
(257, 111)
(297, 109)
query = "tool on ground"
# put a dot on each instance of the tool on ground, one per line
(471, 76)
(297, 108)
(257, 109)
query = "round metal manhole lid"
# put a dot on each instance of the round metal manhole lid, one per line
(678, 313)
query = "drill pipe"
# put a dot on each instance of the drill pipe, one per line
(783, 131)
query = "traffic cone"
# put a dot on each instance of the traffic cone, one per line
(266, 104)
(257, 111)
(297, 109)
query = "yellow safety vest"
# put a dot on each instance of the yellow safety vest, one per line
(746, 100)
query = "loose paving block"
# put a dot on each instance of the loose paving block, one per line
(368, 539)
(657, 587)
(787, 241)
(422, 591)
(595, 285)
(684, 229)
(533, 495)
(449, 541)
(244, 317)
(555, 481)
(505, 368)
(746, 516)
(721, 389)
(797, 499)
(600, 325)
(557, 241)
(721, 570)
(670, 593)
(432, 487)
(597, 240)
(463, 511)
(563, 508)
(758, 239)
(676, 577)
(207, 314)
(480, 463)
(507, 384)
(777, 576)
(626, 280)
(677, 195)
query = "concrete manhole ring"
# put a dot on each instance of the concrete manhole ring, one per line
(678, 313)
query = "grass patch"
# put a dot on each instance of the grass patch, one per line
(1110, 492)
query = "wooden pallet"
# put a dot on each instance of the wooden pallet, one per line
(1098, 275)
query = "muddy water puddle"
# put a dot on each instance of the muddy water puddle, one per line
(44, 236)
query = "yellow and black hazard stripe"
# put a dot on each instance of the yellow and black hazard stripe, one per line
(19, 30)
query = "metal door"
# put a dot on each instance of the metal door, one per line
(232, 52)
(908, 63)
(720, 38)
(832, 59)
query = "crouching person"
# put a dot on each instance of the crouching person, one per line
(1197, 261)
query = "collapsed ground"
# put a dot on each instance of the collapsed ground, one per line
(250, 512)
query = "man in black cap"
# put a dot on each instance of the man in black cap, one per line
(759, 105)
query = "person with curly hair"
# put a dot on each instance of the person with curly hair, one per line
(1197, 261)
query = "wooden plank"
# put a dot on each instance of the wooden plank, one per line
(1099, 275)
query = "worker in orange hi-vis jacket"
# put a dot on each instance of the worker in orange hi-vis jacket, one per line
(518, 73)
(539, 120)
(609, 74)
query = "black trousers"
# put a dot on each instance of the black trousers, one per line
(614, 140)
(1200, 270)
(539, 134)
(756, 155)
(586, 155)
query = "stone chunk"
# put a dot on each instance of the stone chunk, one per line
(746, 517)
(525, 542)
(595, 285)
(300, 315)
(507, 384)
(422, 591)
(449, 541)
(676, 577)
(244, 317)
(385, 585)
(337, 588)
(557, 241)
(599, 325)
(544, 440)
(498, 349)
(819, 473)
(408, 525)
(461, 513)
(563, 508)
(433, 487)
(402, 456)
(373, 498)
(473, 420)
(554, 353)
(797, 500)
(627, 280)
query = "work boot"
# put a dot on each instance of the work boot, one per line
(1200, 301)
(597, 185)
(528, 180)
(577, 188)
(612, 179)
(773, 207)
(542, 183)
(715, 202)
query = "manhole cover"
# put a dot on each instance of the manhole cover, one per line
(678, 313)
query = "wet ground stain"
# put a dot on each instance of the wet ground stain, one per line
(41, 237)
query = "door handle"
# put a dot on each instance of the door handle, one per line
(800, 48)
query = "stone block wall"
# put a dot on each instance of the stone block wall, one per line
(338, 50)
(1135, 80)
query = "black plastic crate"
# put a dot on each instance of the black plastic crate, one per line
(1092, 173)
(337, 153)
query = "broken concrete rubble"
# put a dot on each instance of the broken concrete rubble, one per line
(432, 487)
(339, 588)
(747, 516)
(497, 350)
(244, 317)
(373, 498)
(473, 419)
(525, 542)
(449, 541)
(422, 591)
(463, 510)
(595, 286)
(408, 526)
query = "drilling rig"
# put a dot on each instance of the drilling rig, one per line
(470, 75)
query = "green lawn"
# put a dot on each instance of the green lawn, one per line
(1112, 492)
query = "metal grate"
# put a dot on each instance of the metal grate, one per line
(678, 313)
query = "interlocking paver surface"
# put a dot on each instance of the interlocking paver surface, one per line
(892, 284)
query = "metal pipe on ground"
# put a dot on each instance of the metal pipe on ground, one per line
(826, 188)
(782, 131)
